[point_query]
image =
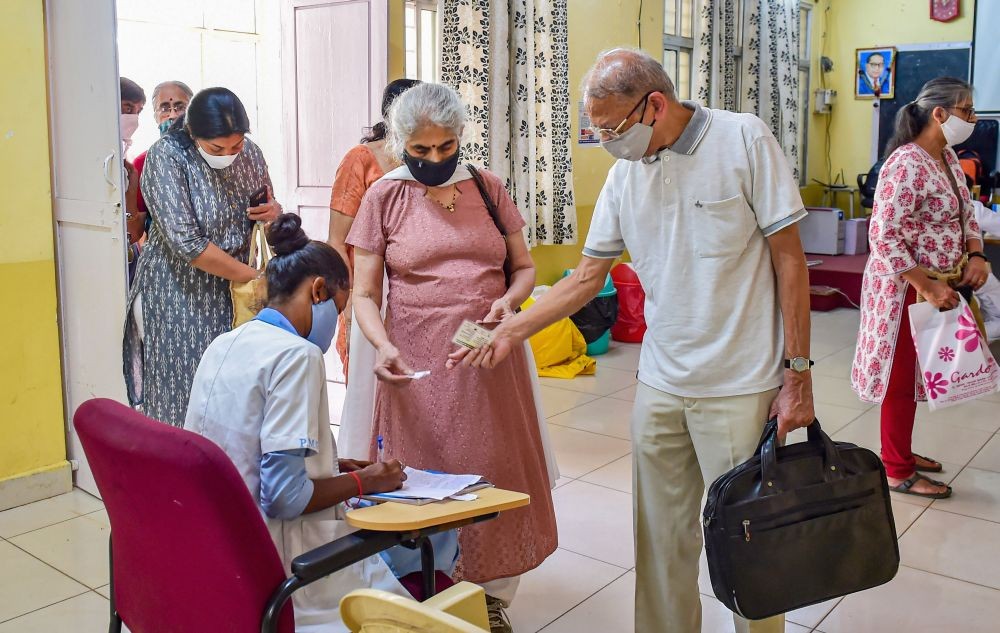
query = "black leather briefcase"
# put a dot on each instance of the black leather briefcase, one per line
(799, 524)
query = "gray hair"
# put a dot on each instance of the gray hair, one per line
(421, 106)
(941, 92)
(626, 73)
(166, 84)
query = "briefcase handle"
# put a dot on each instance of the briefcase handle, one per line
(766, 449)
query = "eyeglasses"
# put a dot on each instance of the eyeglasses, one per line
(178, 107)
(608, 134)
(968, 111)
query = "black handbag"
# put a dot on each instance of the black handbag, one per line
(796, 525)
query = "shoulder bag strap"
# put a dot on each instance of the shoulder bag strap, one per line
(487, 199)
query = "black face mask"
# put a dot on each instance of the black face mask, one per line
(430, 173)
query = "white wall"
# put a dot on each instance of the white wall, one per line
(206, 43)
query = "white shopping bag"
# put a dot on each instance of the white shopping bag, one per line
(955, 362)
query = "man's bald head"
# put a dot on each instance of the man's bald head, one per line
(625, 73)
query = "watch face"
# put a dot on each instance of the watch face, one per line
(800, 364)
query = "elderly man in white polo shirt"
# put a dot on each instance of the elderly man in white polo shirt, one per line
(707, 206)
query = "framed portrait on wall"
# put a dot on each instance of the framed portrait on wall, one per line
(875, 73)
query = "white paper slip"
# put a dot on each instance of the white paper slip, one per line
(417, 375)
(472, 336)
(465, 497)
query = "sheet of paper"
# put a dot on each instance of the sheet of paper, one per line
(417, 375)
(421, 484)
(471, 335)
(468, 497)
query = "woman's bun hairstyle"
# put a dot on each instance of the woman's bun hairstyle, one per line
(285, 235)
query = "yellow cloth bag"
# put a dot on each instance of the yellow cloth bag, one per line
(560, 350)
(250, 297)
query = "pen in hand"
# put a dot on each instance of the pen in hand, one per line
(381, 453)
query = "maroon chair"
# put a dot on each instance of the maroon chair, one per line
(189, 548)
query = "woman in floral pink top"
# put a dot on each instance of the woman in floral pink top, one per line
(922, 222)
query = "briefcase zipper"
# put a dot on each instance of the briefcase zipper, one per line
(768, 518)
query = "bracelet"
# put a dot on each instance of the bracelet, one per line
(361, 490)
(980, 255)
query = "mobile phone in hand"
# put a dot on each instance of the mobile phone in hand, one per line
(258, 197)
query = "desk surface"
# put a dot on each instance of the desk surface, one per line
(401, 517)
(991, 239)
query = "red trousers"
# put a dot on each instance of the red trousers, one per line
(900, 405)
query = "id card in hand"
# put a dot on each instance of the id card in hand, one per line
(472, 336)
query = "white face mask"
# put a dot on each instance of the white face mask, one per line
(128, 123)
(956, 130)
(217, 162)
(631, 145)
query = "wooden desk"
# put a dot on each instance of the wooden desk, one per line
(403, 517)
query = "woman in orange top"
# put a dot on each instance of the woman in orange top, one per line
(359, 170)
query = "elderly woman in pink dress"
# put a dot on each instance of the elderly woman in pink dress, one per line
(444, 255)
(925, 243)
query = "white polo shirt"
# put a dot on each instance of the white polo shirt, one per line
(694, 219)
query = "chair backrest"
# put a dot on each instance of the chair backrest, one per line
(191, 551)
(376, 611)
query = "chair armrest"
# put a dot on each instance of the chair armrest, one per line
(463, 600)
(345, 551)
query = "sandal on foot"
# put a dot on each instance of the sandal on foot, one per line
(936, 466)
(906, 488)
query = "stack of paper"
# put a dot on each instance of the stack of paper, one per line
(422, 486)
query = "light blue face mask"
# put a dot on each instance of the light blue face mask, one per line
(324, 324)
(165, 125)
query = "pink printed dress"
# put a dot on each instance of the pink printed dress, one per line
(444, 268)
(916, 221)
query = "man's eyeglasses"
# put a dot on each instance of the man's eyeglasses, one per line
(178, 107)
(608, 134)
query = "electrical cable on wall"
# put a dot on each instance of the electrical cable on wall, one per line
(822, 78)
(638, 23)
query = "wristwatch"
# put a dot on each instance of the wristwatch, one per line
(799, 364)
(980, 255)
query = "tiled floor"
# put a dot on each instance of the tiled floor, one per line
(53, 571)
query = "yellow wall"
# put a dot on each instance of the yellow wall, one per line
(595, 25)
(32, 432)
(853, 24)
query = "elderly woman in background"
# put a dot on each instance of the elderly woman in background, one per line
(198, 180)
(362, 166)
(925, 243)
(428, 224)
(170, 102)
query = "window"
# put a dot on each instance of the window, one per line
(421, 40)
(805, 59)
(678, 43)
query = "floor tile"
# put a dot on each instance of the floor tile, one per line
(78, 548)
(611, 609)
(810, 616)
(595, 522)
(86, 613)
(579, 452)
(955, 546)
(606, 416)
(104, 591)
(41, 514)
(27, 584)
(977, 494)
(955, 445)
(904, 514)
(917, 602)
(828, 390)
(978, 414)
(563, 581)
(832, 418)
(989, 457)
(717, 618)
(605, 382)
(836, 365)
(627, 393)
(556, 401)
(617, 475)
(621, 356)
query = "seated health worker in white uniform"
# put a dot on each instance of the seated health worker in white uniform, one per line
(260, 394)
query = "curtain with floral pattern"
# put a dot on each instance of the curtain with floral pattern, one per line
(762, 37)
(509, 61)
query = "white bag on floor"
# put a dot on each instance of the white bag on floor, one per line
(954, 360)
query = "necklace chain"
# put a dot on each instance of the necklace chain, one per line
(450, 207)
